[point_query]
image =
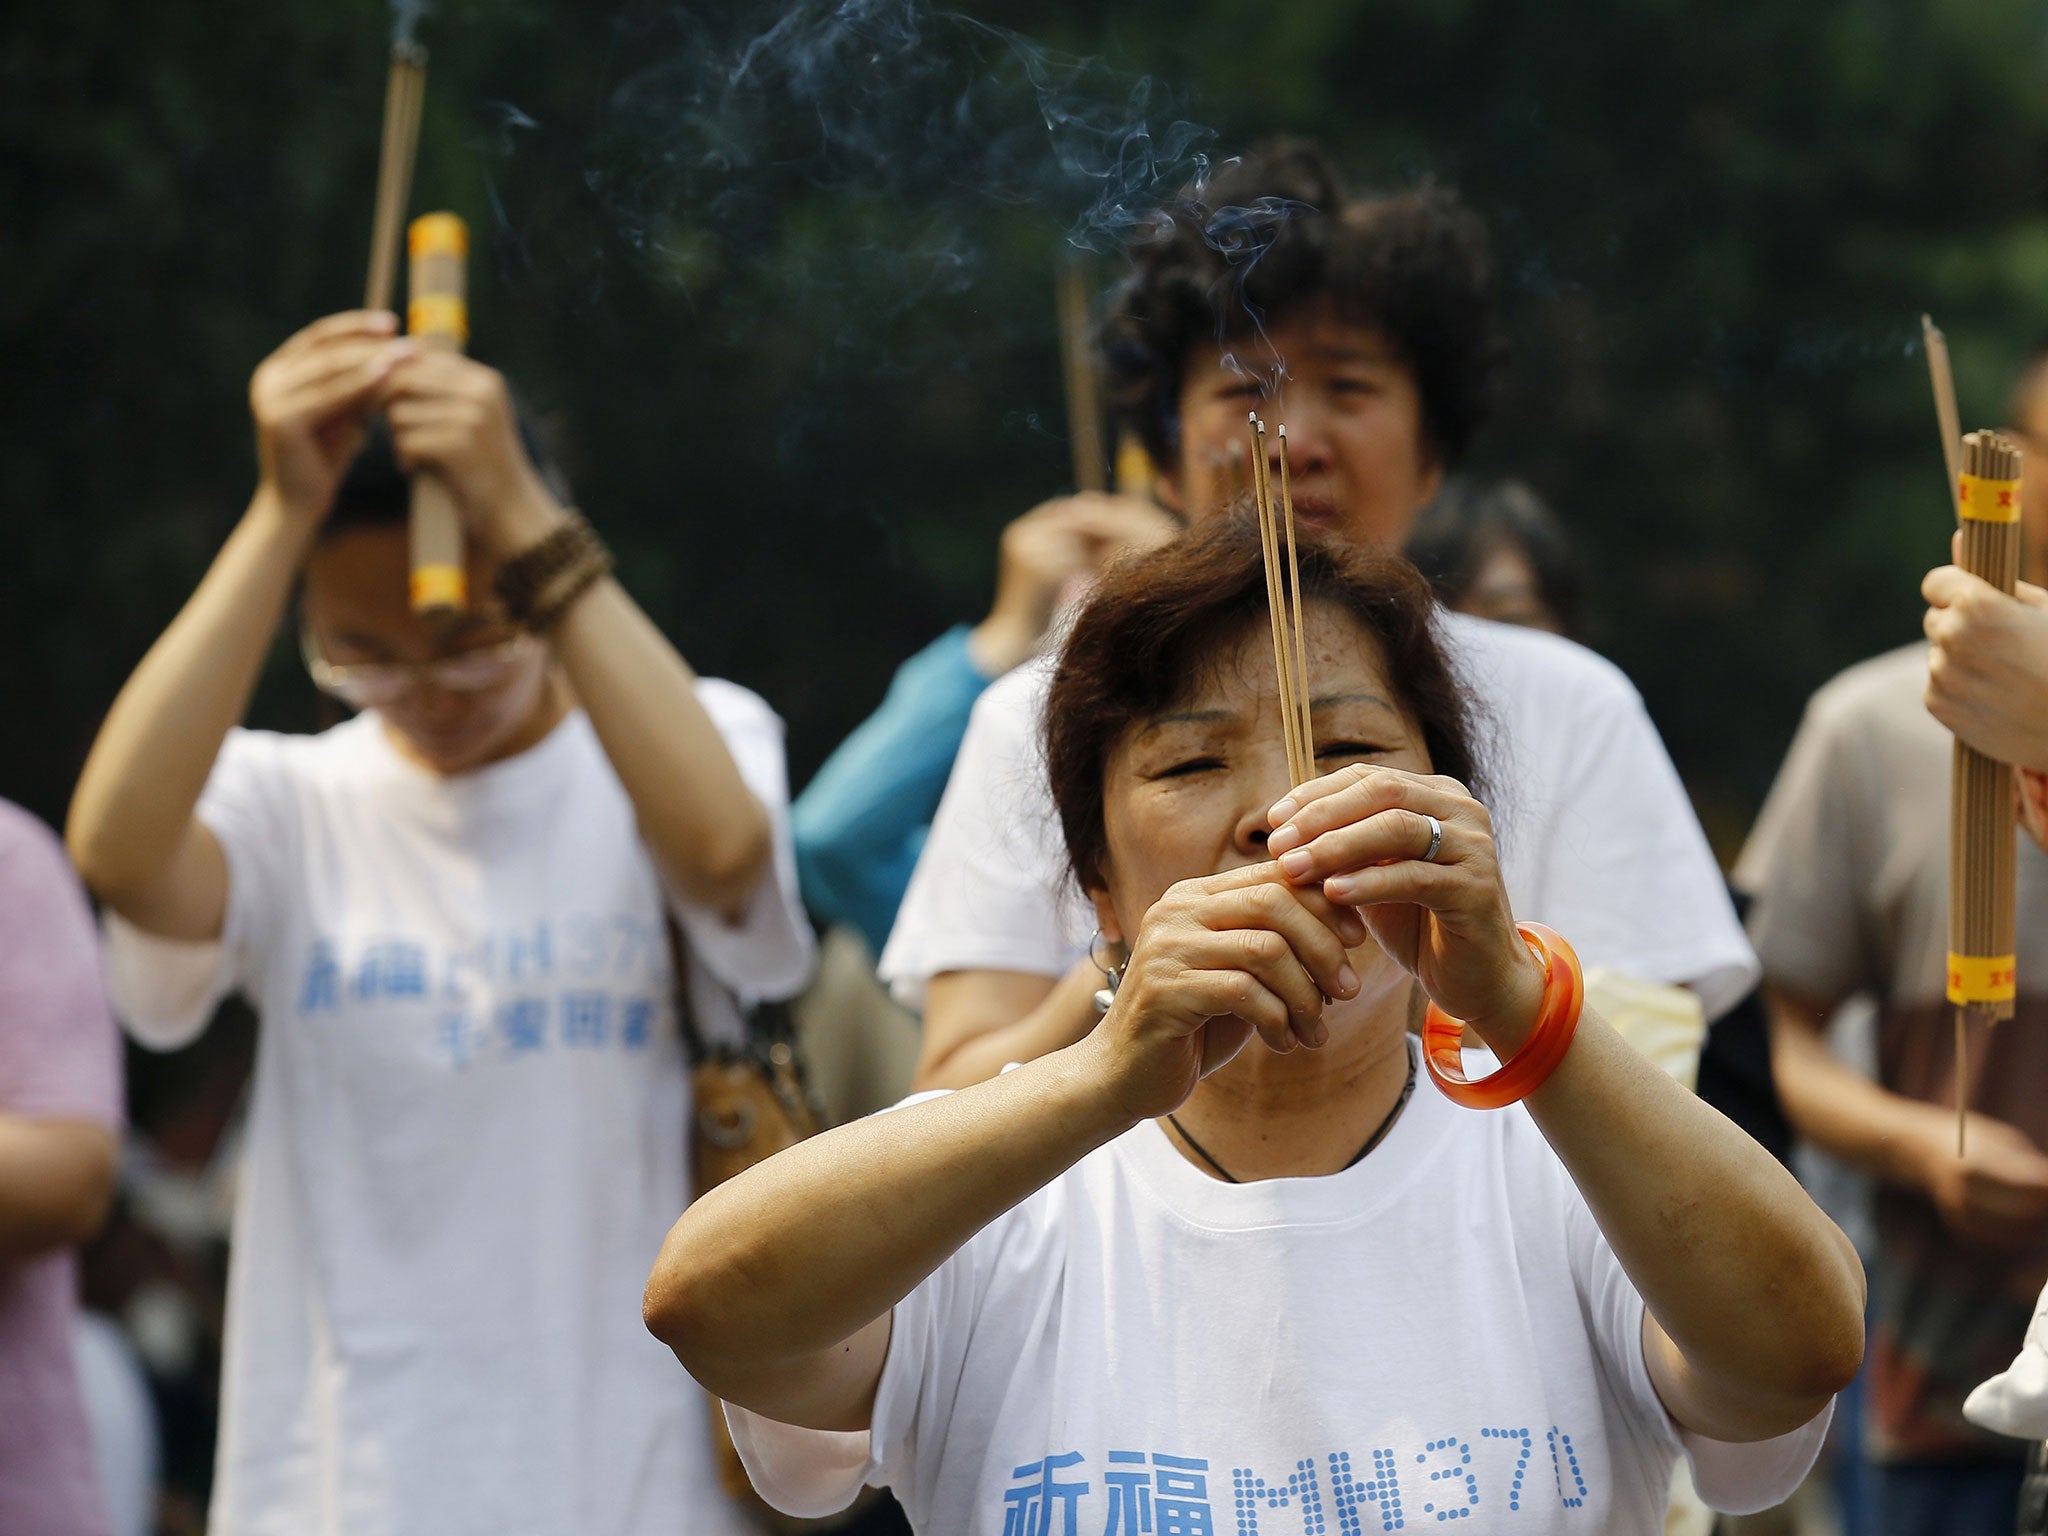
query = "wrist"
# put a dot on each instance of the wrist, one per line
(1922, 1143)
(1001, 642)
(272, 517)
(522, 518)
(1506, 1030)
(1098, 1091)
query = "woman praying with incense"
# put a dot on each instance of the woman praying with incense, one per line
(1237, 1250)
(453, 915)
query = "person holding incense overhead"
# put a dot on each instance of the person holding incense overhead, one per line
(1238, 1251)
(861, 821)
(1363, 327)
(454, 914)
(1849, 866)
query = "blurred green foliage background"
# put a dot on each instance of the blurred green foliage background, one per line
(798, 349)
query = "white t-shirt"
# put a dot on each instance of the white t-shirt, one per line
(1596, 835)
(1439, 1333)
(466, 1136)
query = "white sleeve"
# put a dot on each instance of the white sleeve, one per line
(992, 890)
(768, 953)
(165, 990)
(814, 1472)
(806, 1473)
(1626, 874)
(1736, 1479)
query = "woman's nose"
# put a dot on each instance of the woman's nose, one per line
(1307, 444)
(1249, 834)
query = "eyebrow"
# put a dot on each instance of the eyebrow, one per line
(1188, 717)
(1327, 700)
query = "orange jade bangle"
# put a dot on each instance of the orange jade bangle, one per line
(1557, 1018)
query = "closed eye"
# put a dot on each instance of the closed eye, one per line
(1349, 749)
(1191, 765)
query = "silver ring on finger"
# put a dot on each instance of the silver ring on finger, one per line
(1436, 839)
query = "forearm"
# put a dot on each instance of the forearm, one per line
(1759, 1293)
(962, 1050)
(56, 1177)
(766, 1274)
(706, 828)
(147, 767)
(1842, 1111)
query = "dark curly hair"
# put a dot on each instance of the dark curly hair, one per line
(1274, 230)
(1154, 623)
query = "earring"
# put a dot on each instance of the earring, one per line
(1113, 974)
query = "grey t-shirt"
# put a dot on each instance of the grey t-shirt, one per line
(1848, 865)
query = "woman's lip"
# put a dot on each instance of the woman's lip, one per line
(1317, 508)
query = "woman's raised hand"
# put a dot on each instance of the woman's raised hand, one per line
(1359, 835)
(1217, 960)
(309, 399)
(452, 416)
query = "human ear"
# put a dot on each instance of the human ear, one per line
(1106, 922)
(1166, 489)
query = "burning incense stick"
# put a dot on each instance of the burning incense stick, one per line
(1276, 602)
(1283, 601)
(438, 313)
(1982, 890)
(1084, 405)
(404, 90)
(1944, 400)
(1304, 724)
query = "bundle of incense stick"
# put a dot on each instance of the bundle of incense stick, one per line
(1084, 404)
(404, 91)
(1283, 601)
(1982, 843)
(437, 312)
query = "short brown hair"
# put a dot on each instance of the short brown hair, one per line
(1275, 230)
(1155, 620)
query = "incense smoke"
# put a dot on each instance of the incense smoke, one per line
(893, 98)
(882, 153)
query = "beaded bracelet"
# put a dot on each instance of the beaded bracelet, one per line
(594, 566)
(567, 552)
(1557, 1018)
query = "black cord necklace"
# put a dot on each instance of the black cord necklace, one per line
(1379, 1134)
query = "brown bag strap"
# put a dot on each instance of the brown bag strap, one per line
(770, 1046)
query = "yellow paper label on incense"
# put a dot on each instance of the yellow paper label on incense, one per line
(1989, 501)
(1981, 978)
(440, 586)
(438, 314)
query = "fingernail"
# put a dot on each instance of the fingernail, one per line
(1347, 981)
(1283, 838)
(1296, 864)
(1322, 1033)
(1339, 888)
(1284, 811)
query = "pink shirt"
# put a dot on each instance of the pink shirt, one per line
(59, 1059)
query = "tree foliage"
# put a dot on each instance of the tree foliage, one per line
(784, 296)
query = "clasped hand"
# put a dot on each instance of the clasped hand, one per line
(1264, 948)
(449, 415)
